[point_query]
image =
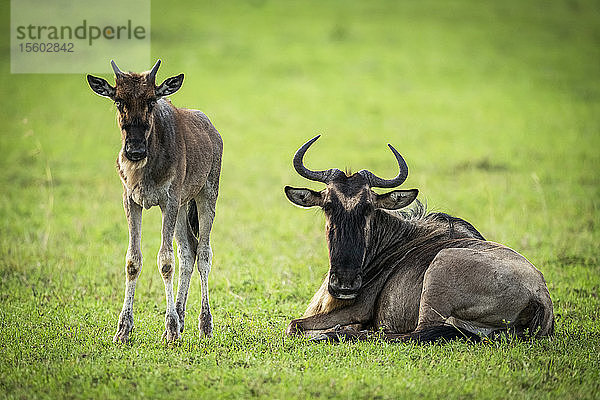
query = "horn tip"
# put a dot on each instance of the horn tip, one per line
(154, 70)
(393, 149)
(116, 69)
(310, 142)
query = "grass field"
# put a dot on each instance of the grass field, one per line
(494, 105)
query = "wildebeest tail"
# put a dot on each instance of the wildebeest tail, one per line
(542, 322)
(193, 217)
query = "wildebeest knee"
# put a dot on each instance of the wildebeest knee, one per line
(166, 270)
(133, 266)
(166, 260)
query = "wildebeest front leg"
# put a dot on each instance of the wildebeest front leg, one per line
(166, 265)
(133, 266)
(206, 202)
(187, 244)
(350, 317)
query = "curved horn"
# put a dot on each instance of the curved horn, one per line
(153, 71)
(118, 72)
(318, 176)
(375, 181)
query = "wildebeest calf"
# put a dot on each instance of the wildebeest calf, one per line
(171, 158)
(411, 275)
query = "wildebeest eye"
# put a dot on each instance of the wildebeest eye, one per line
(327, 207)
(151, 103)
(119, 104)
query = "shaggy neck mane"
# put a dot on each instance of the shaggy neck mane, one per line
(415, 235)
(400, 239)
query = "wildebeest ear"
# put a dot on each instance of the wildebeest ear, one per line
(169, 86)
(101, 87)
(304, 197)
(396, 199)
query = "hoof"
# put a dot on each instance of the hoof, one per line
(294, 328)
(124, 328)
(121, 337)
(205, 324)
(329, 337)
(171, 332)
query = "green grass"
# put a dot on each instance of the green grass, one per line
(494, 105)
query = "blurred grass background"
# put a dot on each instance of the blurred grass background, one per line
(494, 105)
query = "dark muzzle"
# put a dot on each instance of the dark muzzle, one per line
(135, 141)
(135, 150)
(344, 286)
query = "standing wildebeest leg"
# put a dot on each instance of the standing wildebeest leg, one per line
(166, 262)
(133, 266)
(187, 245)
(206, 202)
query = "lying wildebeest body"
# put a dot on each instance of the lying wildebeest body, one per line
(411, 275)
(171, 158)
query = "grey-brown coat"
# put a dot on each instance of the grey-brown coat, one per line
(171, 158)
(412, 275)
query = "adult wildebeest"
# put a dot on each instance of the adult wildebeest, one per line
(411, 275)
(171, 158)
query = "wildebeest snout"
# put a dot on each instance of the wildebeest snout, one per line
(135, 141)
(135, 150)
(344, 286)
